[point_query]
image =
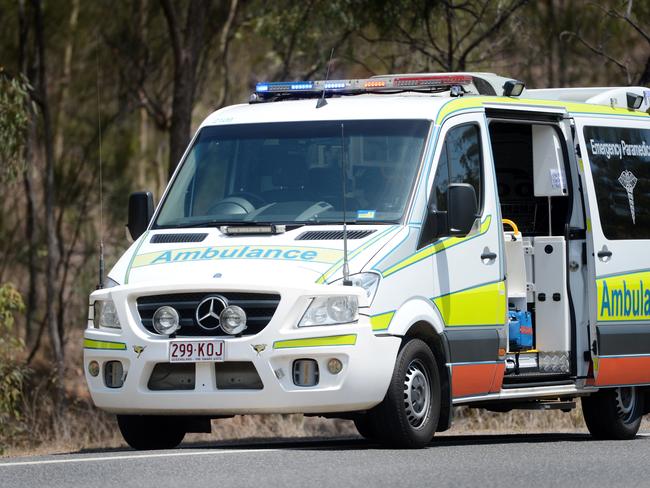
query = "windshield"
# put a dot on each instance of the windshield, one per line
(292, 173)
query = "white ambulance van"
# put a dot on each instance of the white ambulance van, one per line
(383, 250)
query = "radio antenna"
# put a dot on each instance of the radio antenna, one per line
(321, 101)
(344, 177)
(101, 183)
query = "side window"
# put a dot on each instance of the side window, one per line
(460, 162)
(464, 155)
(441, 182)
(620, 166)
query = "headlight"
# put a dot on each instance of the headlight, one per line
(105, 314)
(331, 311)
(368, 281)
(166, 320)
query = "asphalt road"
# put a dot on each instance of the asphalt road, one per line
(460, 461)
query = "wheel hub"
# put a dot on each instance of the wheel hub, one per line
(417, 394)
(626, 403)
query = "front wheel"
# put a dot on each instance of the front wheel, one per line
(147, 432)
(365, 427)
(408, 415)
(613, 413)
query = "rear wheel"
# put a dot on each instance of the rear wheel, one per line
(613, 413)
(408, 415)
(147, 432)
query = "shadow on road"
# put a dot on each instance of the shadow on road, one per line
(356, 443)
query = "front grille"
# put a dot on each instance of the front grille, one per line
(175, 238)
(259, 308)
(332, 235)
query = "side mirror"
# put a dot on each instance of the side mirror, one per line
(462, 208)
(140, 212)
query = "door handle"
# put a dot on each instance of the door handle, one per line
(488, 256)
(604, 253)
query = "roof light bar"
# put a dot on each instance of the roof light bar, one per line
(270, 89)
(441, 80)
(284, 86)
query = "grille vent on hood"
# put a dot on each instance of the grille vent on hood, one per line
(171, 238)
(331, 235)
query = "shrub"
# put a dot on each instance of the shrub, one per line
(12, 369)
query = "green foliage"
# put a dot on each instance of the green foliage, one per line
(14, 119)
(12, 370)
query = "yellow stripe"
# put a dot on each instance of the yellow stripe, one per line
(435, 248)
(481, 305)
(627, 297)
(339, 340)
(381, 321)
(339, 263)
(458, 104)
(478, 102)
(93, 344)
(133, 257)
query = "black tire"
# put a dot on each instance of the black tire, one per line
(147, 432)
(408, 415)
(364, 426)
(613, 413)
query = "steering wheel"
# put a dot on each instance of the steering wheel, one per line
(256, 200)
(237, 204)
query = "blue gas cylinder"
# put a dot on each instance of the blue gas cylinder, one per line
(520, 328)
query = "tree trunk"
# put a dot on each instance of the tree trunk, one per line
(189, 43)
(31, 237)
(65, 80)
(28, 183)
(181, 120)
(644, 78)
(49, 187)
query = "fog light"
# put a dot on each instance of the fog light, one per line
(334, 366)
(165, 320)
(305, 372)
(113, 374)
(232, 320)
(93, 368)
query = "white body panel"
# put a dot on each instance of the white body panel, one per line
(551, 334)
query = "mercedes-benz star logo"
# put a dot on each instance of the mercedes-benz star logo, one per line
(208, 311)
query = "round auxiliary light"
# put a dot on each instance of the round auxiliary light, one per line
(165, 320)
(334, 366)
(93, 368)
(233, 320)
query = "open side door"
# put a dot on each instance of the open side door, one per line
(615, 173)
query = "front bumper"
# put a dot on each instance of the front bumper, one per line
(367, 359)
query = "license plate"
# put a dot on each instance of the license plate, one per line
(195, 351)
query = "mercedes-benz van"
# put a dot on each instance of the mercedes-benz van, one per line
(383, 250)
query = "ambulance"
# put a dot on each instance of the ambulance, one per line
(384, 250)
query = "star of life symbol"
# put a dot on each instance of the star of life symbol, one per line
(628, 180)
